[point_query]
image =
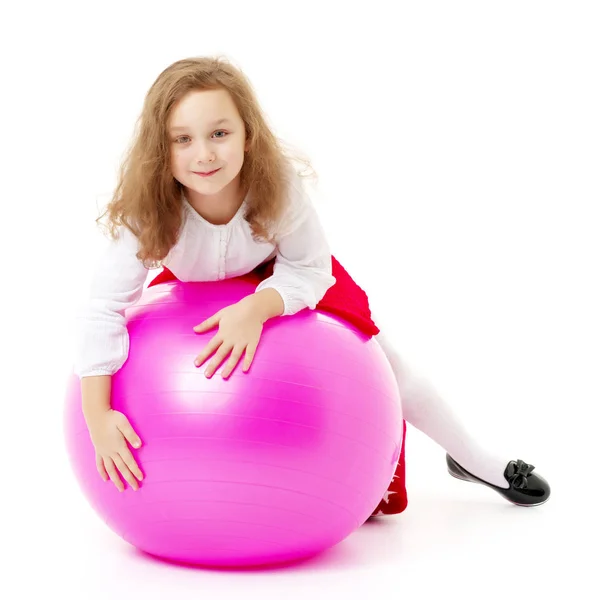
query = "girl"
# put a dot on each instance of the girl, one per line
(207, 193)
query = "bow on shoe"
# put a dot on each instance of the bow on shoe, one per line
(517, 473)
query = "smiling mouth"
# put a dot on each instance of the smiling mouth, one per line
(207, 174)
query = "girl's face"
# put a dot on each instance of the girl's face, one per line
(206, 133)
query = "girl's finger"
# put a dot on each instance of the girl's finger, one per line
(128, 432)
(208, 350)
(100, 467)
(250, 352)
(219, 357)
(233, 360)
(209, 323)
(130, 462)
(112, 473)
(124, 469)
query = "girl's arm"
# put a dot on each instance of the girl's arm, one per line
(95, 396)
(117, 283)
(268, 303)
(302, 272)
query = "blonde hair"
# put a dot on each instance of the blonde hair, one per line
(147, 198)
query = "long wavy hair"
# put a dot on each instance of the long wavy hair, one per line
(147, 198)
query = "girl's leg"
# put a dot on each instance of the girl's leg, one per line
(423, 408)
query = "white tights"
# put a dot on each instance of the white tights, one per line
(423, 408)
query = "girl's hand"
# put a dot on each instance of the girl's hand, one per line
(110, 431)
(240, 328)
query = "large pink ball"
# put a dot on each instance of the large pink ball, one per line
(268, 466)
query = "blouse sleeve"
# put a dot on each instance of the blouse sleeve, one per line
(117, 283)
(302, 271)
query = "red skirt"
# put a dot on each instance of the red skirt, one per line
(347, 300)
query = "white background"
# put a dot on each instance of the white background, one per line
(457, 147)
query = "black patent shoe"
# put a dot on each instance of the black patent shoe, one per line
(526, 488)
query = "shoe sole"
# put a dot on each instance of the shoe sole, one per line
(515, 503)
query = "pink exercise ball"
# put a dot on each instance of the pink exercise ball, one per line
(270, 466)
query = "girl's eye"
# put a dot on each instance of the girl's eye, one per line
(219, 138)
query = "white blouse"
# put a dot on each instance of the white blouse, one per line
(204, 252)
